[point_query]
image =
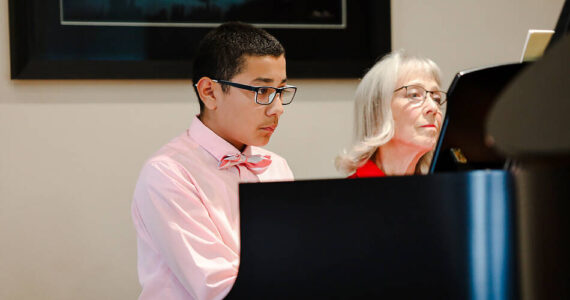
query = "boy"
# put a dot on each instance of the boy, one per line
(185, 206)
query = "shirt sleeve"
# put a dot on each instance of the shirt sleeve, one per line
(177, 223)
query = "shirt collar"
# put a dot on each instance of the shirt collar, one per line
(211, 142)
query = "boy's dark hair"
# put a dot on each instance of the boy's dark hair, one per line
(221, 52)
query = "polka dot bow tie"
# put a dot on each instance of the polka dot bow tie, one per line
(255, 163)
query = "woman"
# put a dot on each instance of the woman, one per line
(398, 116)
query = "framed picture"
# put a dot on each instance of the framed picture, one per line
(157, 39)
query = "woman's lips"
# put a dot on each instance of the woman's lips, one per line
(429, 126)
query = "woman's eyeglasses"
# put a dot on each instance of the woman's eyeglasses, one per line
(418, 94)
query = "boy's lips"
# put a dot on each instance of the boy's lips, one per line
(270, 128)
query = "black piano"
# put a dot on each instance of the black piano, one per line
(489, 222)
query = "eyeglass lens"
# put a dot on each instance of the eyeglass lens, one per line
(266, 95)
(418, 93)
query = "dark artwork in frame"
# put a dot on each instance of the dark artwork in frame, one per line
(204, 13)
(152, 39)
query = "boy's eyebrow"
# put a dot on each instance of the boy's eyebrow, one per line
(268, 80)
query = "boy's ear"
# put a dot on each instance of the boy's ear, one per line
(205, 87)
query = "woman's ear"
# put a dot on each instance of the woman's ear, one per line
(205, 87)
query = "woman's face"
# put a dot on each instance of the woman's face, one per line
(416, 124)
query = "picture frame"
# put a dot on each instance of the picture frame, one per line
(45, 45)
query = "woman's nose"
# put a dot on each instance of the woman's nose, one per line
(431, 104)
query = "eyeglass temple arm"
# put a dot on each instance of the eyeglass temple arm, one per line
(238, 85)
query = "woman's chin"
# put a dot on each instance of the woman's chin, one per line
(426, 146)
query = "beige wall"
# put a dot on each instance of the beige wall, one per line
(70, 151)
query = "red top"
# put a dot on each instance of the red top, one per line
(369, 169)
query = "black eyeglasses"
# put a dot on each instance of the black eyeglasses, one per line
(265, 95)
(418, 94)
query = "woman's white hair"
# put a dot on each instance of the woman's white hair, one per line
(373, 121)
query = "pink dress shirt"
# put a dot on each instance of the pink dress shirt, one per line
(186, 214)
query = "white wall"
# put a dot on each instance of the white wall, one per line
(70, 151)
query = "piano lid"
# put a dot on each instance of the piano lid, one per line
(532, 116)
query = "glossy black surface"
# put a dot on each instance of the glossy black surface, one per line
(471, 96)
(444, 236)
